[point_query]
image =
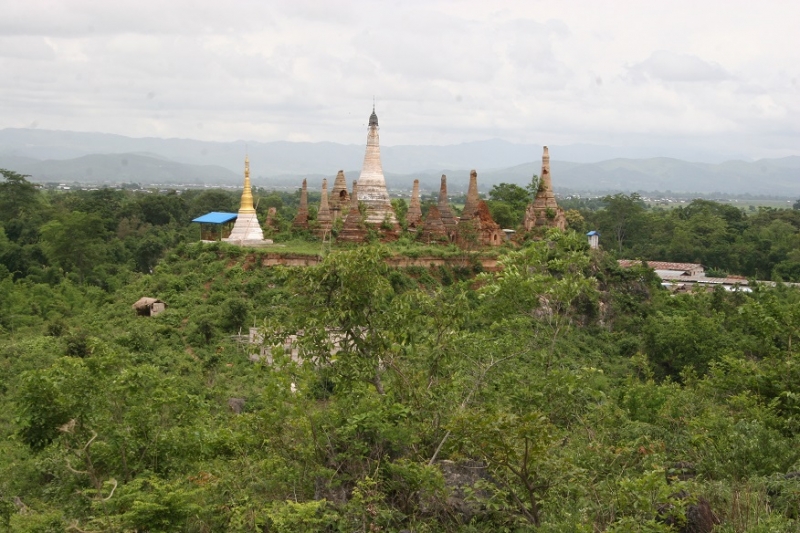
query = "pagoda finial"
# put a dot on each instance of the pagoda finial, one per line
(373, 118)
(247, 194)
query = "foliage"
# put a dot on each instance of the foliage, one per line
(558, 393)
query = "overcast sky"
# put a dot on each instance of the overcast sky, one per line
(720, 75)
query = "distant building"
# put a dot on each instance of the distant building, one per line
(594, 239)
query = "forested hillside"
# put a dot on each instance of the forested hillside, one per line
(560, 393)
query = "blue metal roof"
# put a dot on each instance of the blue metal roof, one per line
(593, 233)
(215, 218)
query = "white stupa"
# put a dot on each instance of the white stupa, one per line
(371, 184)
(247, 231)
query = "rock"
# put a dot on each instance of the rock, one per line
(700, 518)
(236, 405)
(460, 479)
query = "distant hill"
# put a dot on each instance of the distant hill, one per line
(95, 157)
(118, 168)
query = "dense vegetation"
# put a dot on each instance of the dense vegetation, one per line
(570, 395)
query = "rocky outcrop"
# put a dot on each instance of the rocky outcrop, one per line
(462, 481)
(414, 214)
(301, 219)
(544, 211)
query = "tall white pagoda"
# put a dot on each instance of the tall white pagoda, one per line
(371, 184)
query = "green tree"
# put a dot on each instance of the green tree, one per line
(75, 242)
(514, 198)
(622, 218)
(17, 195)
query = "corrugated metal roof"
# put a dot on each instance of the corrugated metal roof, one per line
(215, 218)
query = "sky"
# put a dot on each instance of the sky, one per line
(721, 76)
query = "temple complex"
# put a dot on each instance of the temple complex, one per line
(544, 211)
(472, 197)
(353, 229)
(301, 219)
(371, 184)
(246, 230)
(324, 214)
(340, 199)
(414, 214)
(450, 222)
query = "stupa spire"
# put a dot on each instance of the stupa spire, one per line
(472, 197)
(547, 181)
(324, 214)
(301, 219)
(246, 205)
(414, 214)
(444, 207)
(371, 184)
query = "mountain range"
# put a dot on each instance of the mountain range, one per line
(62, 156)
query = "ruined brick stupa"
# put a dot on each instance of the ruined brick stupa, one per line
(340, 198)
(544, 211)
(352, 229)
(324, 217)
(301, 219)
(371, 184)
(471, 205)
(247, 231)
(414, 214)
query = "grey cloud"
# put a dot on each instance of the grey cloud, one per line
(669, 66)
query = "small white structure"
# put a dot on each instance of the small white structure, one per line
(594, 239)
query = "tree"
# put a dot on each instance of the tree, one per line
(17, 195)
(347, 309)
(622, 217)
(75, 241)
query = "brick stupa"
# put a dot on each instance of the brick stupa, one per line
(246, 230)
(353, 229)
(301, 219)
(480, 228)
(414, 214)
(445, 212)
(544, 211)
(472, 197)
(371, 184)
(434, 230)
(340, 198)
(324, 214)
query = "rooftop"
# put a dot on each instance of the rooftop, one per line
(216, 218)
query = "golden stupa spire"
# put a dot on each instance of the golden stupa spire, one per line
(247, 195)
